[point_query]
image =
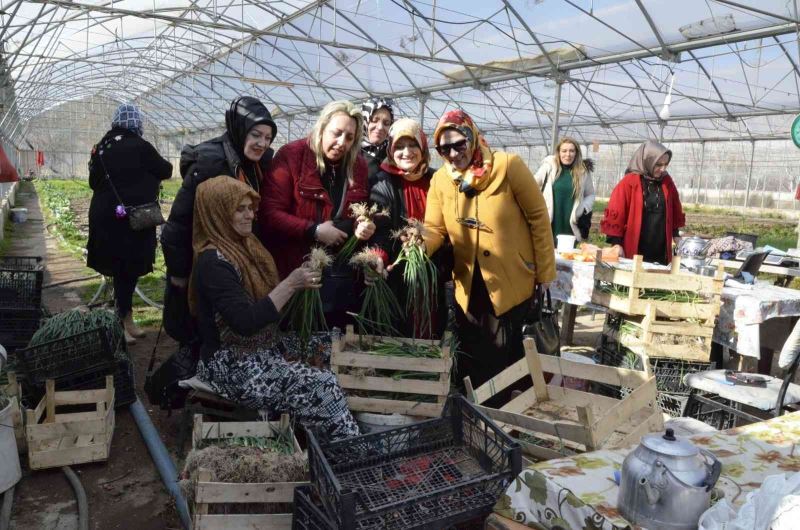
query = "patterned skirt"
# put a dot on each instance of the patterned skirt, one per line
(263, 379)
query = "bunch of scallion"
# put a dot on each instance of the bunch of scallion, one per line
(77, 321)
(419, 275)
(361, 212)
(304, 313)
(380, 308)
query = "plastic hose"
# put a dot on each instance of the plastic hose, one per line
(80, 495)
(5, 511)
(162, 460)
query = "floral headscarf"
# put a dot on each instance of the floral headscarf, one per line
(129, 117)
(407, 128)
(368, 108)
(478, 173)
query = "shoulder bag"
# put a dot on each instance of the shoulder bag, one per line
(542, 324)
(141, 217)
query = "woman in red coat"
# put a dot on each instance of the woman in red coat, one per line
(644, 212)
(306, 201)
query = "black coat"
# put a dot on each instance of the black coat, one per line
(136, 169)
(198, 163)
(374, 157)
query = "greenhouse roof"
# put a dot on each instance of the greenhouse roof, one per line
(607, 65)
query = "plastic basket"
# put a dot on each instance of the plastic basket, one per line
(308, 514)
(17, 326)
(669, 374)
(21, 282)
(431, 474)
(712, 415)
(88, 351)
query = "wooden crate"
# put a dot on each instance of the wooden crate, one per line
(581, 421)
(56, 440)
(352, 351)
(208, 492)
(673, 339)
(13, 390)
(674, 280)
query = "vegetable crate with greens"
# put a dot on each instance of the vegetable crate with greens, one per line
(685, 339)
(673, 293)
(432, 474)
(65, 439)
(21, 282)
(391, 374)
(247, 492)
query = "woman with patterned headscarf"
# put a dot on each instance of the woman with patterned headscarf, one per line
(490, 207)
(644, 212)
(236, 295)
(125, 162)
(377, 116)
(401, 187)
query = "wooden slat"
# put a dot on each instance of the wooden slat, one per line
(592, 372)
(538, 452)
(360, 359)
(50, 401)
(703, 311)
(67, 457)
(79, 397)
(264, 492)
(387, 384)
(84, 439)
(535, 369)
(638, 399)
(275, 521)
(653, 423)
(559, 429)
(394, 406)
(501, 381)
(56, 430)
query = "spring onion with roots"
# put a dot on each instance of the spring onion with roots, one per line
(361, 212)
(419, 275)
(304, 312)
(380, 308)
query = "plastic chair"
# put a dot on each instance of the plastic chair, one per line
(777, 396)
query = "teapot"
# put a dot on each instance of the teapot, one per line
(692, 250)
(666, 483)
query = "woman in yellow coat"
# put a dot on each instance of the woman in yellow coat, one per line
(490, 207)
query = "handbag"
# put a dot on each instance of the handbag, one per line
(542, 324)
(141, 217)
(585, 224)
(161, 385)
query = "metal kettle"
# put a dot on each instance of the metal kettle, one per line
(666, 483)
(692, 250)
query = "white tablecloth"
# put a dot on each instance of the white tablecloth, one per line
(744, 307)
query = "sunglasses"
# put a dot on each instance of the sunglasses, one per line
(459, 146)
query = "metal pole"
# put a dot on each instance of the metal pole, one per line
(700, 174)
(749, 173)
(556, 112)
(422, 100)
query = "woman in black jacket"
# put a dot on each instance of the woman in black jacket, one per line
(243, 153)
(135, 170)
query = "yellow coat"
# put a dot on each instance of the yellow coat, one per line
(514, 248)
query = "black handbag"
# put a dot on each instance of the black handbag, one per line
(585, 224)
(542, 324)
(161, 385)
(141, 217)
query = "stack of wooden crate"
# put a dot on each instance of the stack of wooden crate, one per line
(662, 318)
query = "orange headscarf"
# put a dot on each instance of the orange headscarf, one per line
(215, 202)
(479, 172)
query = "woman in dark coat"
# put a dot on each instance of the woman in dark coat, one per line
(244, 153)
(378, 117)
(401, 186)
(135, 169)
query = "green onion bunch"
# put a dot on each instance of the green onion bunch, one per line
(380, 308)
(77, 321)
(361, 212)
(304, 313)
(419, 275)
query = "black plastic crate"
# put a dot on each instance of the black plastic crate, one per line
(121, 369)
(21, 282)
(308, 513)
(81, 353)
(124, 383)
(429, 475)
(17, 326)
(670, 372)
(713, 415)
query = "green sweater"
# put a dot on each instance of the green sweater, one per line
(562, 203)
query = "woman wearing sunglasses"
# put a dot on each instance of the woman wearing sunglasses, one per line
(490, 207)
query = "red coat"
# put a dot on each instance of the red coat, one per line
(293, 199)
(623, 216)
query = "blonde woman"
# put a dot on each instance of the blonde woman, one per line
(306, 200)
(565, 179)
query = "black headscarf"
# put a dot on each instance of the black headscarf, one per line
(245, 113)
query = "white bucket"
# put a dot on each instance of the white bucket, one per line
(565, 242)
(10, 472)
(18, 215)
(370, 422)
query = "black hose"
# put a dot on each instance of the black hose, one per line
(5, 511)
(80, 495)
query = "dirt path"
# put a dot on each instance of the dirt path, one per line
(126, 491)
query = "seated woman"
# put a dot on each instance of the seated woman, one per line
(236, 297)
(644, 212)
(401, 186)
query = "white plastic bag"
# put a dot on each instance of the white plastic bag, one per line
(774, 506)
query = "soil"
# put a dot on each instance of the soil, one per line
(126, 491)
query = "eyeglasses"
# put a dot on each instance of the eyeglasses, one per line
(459, 146)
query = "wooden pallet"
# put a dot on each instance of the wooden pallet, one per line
(352, 351)
(581, 421)
(673, 339)
(209, 493)
(673, 280)
(56, 440)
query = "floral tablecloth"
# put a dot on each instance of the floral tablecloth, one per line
(579, 493)
(744, 307)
